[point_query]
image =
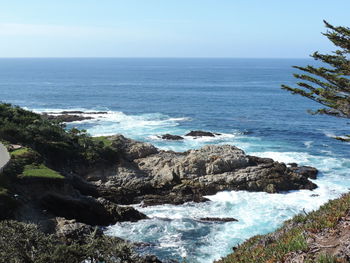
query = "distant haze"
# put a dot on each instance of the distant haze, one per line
(168, 28)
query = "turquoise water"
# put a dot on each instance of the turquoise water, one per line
(239, 98)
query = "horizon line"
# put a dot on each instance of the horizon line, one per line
(103, 57)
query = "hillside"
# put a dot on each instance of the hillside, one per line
(322, 236)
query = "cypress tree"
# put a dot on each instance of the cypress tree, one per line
(328, 85)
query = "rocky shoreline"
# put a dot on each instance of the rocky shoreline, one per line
(147, 175)
(76, 200)
(150, 176)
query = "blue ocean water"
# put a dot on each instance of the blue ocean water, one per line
(240, 98)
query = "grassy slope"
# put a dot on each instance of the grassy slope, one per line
(40, 171)
(292, 236)
(19, 152)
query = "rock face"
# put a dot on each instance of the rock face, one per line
(89, 210)
(130, 149)
(151, 176)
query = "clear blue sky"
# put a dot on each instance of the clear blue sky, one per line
(167, 28)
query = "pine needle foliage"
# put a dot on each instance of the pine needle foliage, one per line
(328, 85)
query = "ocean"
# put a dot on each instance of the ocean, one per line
(239, 98)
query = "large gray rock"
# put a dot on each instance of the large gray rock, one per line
(71, 230)
(171, 137)
(151, 176)
(200, 134)
(131, 149)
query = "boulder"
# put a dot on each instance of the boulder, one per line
(171, 137)
(308, 171)
(73, 231)
(131, 149)
(201, 134)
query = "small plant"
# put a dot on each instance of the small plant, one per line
(325, 258)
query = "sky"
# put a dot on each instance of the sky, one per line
(168, 28)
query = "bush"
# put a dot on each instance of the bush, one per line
(20, 242)
(58, 147)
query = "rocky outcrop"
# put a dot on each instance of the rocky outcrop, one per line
(71, 116)
(73, 231)
(151, 176)
(121, 213)
(67, 117)
(171, 137)
(201, 134)
(89, 210)
(131, 149)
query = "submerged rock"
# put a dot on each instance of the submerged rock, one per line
(83, 112)
(218, 219)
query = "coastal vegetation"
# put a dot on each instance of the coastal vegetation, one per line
(21, 242)
(302, 236)
(58, 147)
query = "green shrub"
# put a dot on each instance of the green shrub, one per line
(58, 147)
(24, 243)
